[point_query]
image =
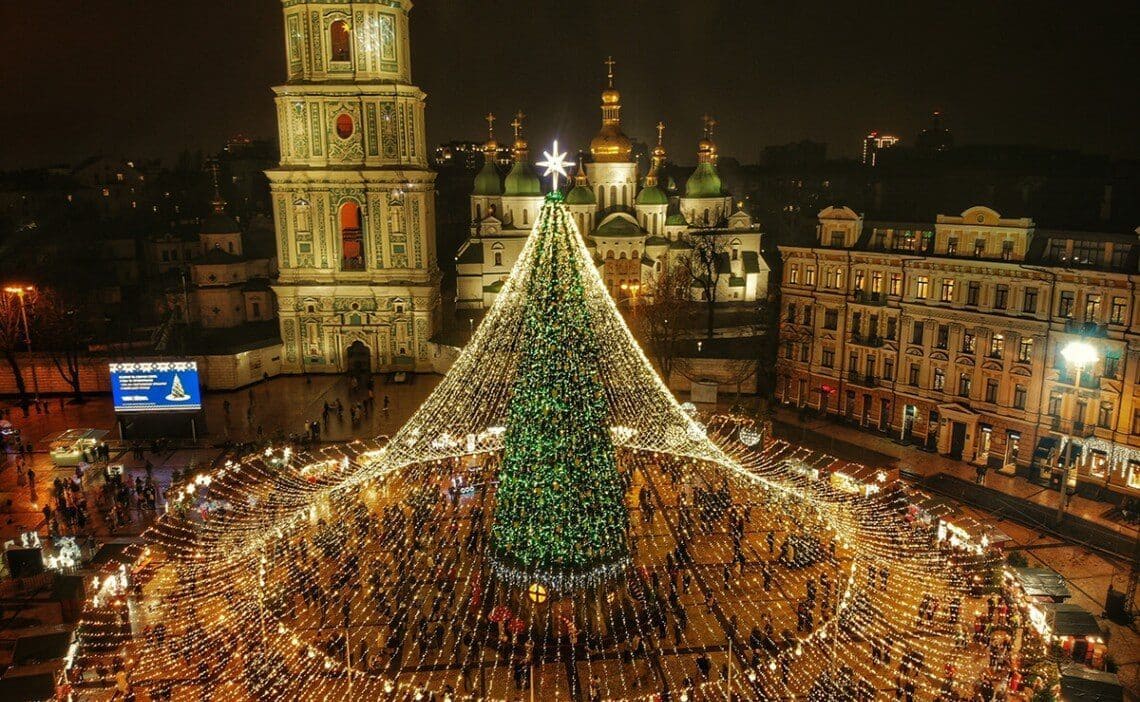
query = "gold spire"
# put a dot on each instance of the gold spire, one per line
(657, 159)
(218, 203)
(521, 147)
(706, 148)
(492, 146)
(580, 176)
(610, 145)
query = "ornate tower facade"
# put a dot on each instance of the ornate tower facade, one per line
(353, 197)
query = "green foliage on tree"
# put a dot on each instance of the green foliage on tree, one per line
(560, 502)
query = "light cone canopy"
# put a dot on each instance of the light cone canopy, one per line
(550, 520)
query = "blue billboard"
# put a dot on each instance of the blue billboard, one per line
(158, 386)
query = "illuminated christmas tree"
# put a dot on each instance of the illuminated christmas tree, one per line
(560, 515)
(177, 392)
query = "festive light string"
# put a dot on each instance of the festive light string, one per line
(243, 585)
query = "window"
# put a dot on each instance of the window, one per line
(939, 379)
(831, 319)
(829, 278)
(1065, 305)
(947, 294)
(807, 314)
(942, 341)
(805, 352)
(1136, 421)
(351, 237)
(857, 323)
(1054, 407)
(1104, 415)
(860, 279)
(896, 284)
(1030, 303)
(1019, 396)
(344, 126)
(256, 309)
(912, 376)
(916, 333)
(1006, 250)
(892, 328)
(498, 258)
(921, 287)
(979, 248)
(969, 342)
(340, 40)
(964, 383)
(907, 241)
(792, 313)
(853, 362)
(837, 239)
(1092, 307)
(1088, 252)
(794, 274)
(1111, 366)
(809, 275)
(952, 246)
(1120, 253)
(1025, 349)
(877, 282)
(1001, 297)
(888, 369)
(1118, 307)
(828, 358)
(972, 290)
(991, 390)
(788, 350)
(997, 346)
(928, 241)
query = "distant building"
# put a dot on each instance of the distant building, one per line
(632, 226)
(875, 142)
(947, 334)
(935, 137)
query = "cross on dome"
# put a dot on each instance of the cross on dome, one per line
(490, 124)
(610, 63)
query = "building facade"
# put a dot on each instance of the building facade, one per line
(949, 334)
(633, 226)
(353, 198)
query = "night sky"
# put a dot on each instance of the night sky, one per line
(147, 77)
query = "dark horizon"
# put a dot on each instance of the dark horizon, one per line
(147, 80)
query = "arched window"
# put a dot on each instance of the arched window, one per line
(525, 222)
(478, 212)
(610, 253)
(340, 40)
(498, 253)
(706, 215)
(351, 237)
(613, 195)
(735, 249)
(622, 256)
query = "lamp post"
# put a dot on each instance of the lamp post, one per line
(21, 292)
(1078, 355)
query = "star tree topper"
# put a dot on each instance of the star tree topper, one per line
(555, 164)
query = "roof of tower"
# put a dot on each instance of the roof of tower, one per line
(704, 182)
(487, 181)
(610, 145)
(522, 180)
(581, 193)
(652, 195)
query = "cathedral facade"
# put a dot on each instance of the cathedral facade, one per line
(353, 197)
(634, 226)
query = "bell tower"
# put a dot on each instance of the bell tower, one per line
(353, 196)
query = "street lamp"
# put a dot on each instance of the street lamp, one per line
(21, 292)
(1078, 355)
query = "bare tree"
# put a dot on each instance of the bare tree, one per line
(659, 318)
(61, 323)
(705, 263)
(12, 338)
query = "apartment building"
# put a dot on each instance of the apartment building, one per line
(948, 334)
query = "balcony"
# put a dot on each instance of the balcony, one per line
(870, 298)
(1090, 329)
(1078, 429)
(1089, 381)
(867, 380)
(872, 341)
(352, 263)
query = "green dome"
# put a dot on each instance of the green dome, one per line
(522, 181)
(487, 181)
(581, 195)
(652, 196)
(704, 182)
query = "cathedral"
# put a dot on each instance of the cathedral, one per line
(353, 197)
(634, 226)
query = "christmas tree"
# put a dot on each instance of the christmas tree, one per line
(177, 392)
(560, 516)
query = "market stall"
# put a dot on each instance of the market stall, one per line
(1080, 683)
(1037, 584)
(1071, 629)
(74, 446)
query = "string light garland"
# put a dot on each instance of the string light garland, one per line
(551, 522)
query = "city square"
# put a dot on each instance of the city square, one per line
(343, 414)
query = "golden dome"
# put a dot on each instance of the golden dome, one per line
(611, 146)
(610, 96)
